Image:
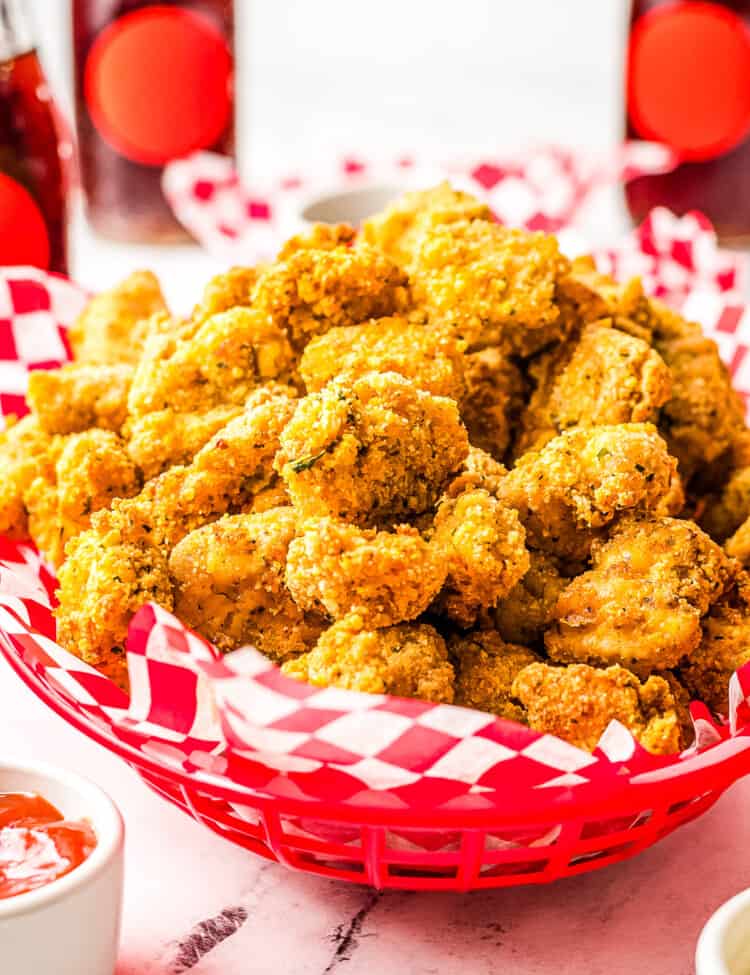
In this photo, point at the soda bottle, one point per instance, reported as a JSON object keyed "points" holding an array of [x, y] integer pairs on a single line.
{"points": [[33, 209], [153, 84], [688, 85]]}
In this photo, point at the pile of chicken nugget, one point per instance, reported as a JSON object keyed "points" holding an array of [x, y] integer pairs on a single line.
{"points": [[433, 458]]}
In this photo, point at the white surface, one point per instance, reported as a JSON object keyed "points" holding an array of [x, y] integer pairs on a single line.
{"points": [[70, 926]]}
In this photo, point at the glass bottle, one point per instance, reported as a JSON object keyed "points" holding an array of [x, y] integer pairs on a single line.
{"points": [[33, 180], [688, 85], [153, 83]]}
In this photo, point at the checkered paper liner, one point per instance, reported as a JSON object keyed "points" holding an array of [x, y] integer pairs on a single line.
{"points": [[237, 722]]}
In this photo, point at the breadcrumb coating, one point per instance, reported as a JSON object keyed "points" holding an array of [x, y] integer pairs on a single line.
{"points": [[577, 703], [478, 470], [83, 473], [383, 577], [726, 509], [226, 291], [432, 357], [320, 237], [486, 667], [23, 451], [603, 376], [724, 647], [111, 328], [591, 296], [496, 285], [482, 544], [641, 603], [80, 396], [409, 660], [371, 451], [229, 585], [313, 291], [495, 396], [219, 363], [524, 614], [396, 231], [583, 479]]}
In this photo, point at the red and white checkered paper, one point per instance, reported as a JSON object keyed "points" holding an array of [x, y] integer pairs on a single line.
{"points": [[237, 721]]}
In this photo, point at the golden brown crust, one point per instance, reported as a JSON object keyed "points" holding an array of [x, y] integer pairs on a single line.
{"points": [[494, 399], [80, 396], [527, 610], [486, 667]]}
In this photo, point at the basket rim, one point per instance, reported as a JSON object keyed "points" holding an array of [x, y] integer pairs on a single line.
{"points": [[629, 799]]}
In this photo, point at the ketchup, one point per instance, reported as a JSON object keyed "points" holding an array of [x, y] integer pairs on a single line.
{"points": [[37, 845]]}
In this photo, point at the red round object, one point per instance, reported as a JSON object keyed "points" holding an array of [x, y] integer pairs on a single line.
{"points": [[23, 233], [689, 78], [158, 84]]}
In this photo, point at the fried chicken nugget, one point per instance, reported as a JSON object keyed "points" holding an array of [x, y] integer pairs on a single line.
{"points": [[432, 357], [218, 363], [320, 237], [602, 377], [83, 474], [163, 439], [478, 470], [409, 660], [641, 603], [496, 285], [23, 452], [591, 296], [226, 291], [705, 414], [583, 479], [726, 509], [371, 450], [724, 647], [315, 290], [577, 703], [80, 396], [486, 667], [494, 400], [525, 613], [481, 542], [111, 328], [397, 229], [229, 585], [381, 576]]}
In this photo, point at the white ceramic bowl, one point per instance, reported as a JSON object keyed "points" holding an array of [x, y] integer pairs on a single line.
{"points": [[724, 944], [72, 925]]}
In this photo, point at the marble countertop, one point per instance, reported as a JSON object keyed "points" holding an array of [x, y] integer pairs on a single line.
{"points": [[195, 903]]}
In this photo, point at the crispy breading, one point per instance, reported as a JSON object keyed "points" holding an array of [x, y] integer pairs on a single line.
{"points": [[110, 329], [496, 391], [738, 544], [527, 610], [80, 396], [23, 451], [486, 667], [315, 290], [704, 414], [432, 357], [163, 439], [384, 577], [373, 450], [218, 363], [582, 480], [577, 703], [641, 603], [481, 542], [724, 510], [397, 229], [602, 376], [497, 286], [478, 470], [225, 291], [320, 237], [724, 647], [409, 660], [229, 585], [84, 473], [591, 296]]}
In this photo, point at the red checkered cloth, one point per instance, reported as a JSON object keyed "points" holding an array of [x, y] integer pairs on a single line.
{"points": [[236, 721]]}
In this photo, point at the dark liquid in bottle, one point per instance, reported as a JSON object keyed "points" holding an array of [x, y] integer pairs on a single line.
{"points": [[694, 55], [124, 194], [30, 150]]}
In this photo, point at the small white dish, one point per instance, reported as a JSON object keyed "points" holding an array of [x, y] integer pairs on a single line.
{"points": [[72, 925], [724, 944], [351, 205]]}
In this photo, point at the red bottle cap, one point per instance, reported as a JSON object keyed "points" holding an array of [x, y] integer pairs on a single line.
{"points": [[689, 78], [158, 84], [23, 232]]}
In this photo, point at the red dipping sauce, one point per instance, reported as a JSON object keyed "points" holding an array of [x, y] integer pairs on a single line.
{"points": [[37, 845]]}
